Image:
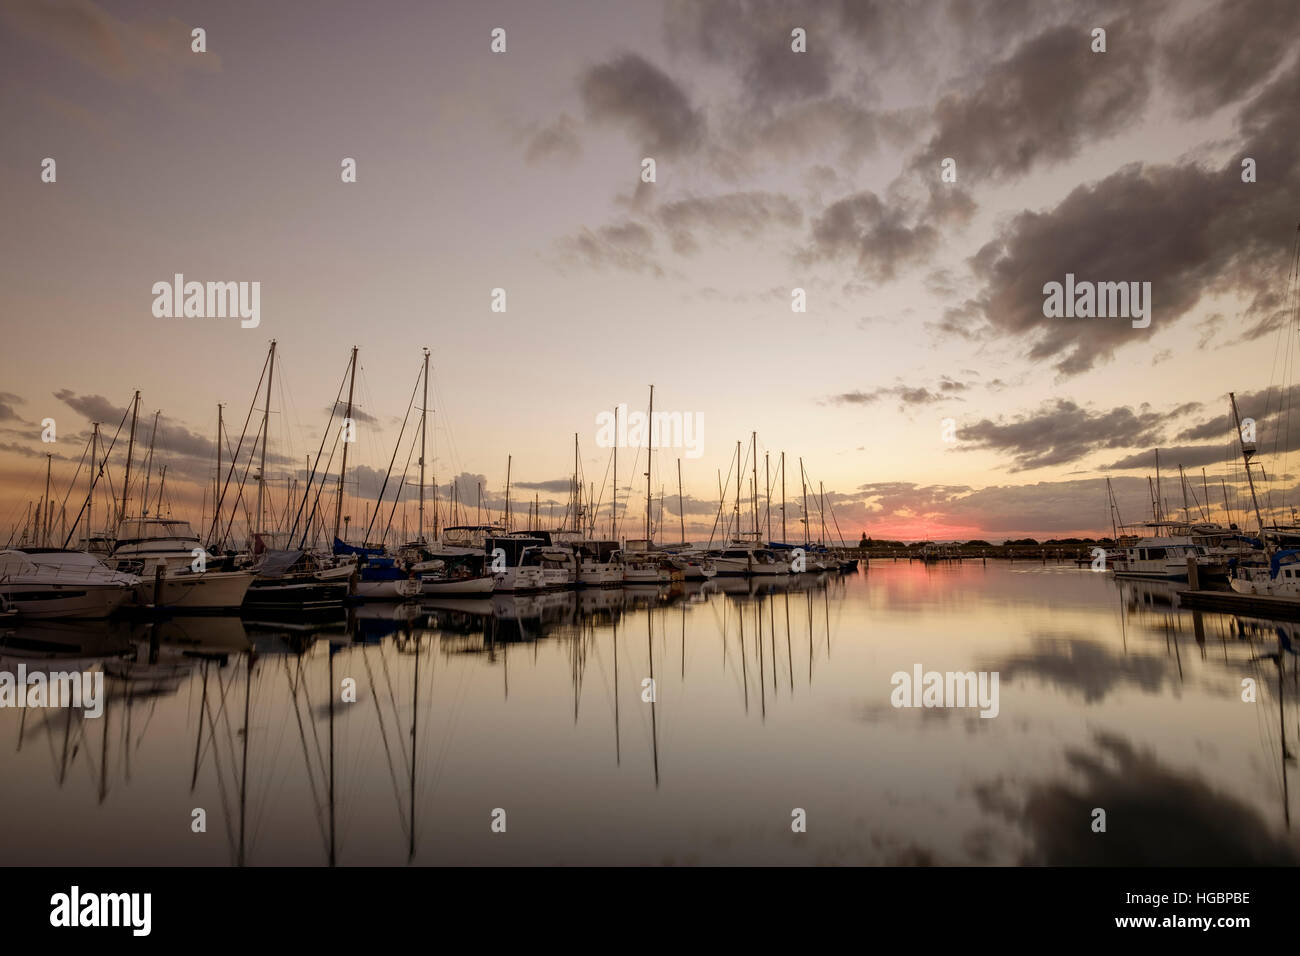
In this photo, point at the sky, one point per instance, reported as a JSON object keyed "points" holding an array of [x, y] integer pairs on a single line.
{"points": [[923, 388]]}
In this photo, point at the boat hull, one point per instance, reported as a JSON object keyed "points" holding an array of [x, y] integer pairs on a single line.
{"points": [[87, 601], [483, 585], [209, 591]]}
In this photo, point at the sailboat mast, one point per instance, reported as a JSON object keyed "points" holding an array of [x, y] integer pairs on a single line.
{"points": [[784, 539], [803, 480], [577, 489], [266, 427], [753, 463], [1182, 480], [424, 412], [216, 485], [1110, 500], [821, 510], [767, 484], [613, 511], [1247, 452], [739, 465], [681, 510], [1159, 502], [130, 451], [343, 468], [148, 468], [649, 458], [90, 495], [509, 461], [45, 532]]}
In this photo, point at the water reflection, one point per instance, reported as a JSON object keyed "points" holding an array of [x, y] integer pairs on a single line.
{"points": [[674, 723]]}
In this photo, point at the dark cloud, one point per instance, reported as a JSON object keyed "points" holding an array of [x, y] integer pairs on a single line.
{"points": [[1061, 432], [1189, 229], [554, 486], [171, 436], [358, 414], [1041, 103], [1222, 52], [635, 93], [835, 126], [878, 236], [628, 246], [745, 214], [946, 389], [7, 402]]}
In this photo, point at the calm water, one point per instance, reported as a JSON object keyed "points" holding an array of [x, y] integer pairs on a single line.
{"points": [[767, 700]]}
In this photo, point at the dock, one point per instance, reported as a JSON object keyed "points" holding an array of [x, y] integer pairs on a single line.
{"points": [[1246, 605]]}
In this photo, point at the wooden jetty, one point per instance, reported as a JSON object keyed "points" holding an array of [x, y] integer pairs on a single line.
{"points": [[1245, 605]]}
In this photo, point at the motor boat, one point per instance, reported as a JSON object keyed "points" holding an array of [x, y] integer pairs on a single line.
{"points": [[53, 582]]}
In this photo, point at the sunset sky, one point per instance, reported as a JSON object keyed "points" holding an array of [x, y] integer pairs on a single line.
{"points": [[775, 170]]}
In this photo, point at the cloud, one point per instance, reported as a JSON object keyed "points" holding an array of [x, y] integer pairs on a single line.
{"points": [[1042, 103], [554, 486], [148, 51], [1061, 432], [878, 236], [358, 414], [742, 213], [7, 402], [557, 141], [636, 94], [627, 246], [1190, 229], [946, 389], [1219, 55]]}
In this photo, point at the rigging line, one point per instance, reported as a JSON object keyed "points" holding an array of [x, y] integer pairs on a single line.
{"points": [[311, 478], [102, 467], [315, 505], [239, 497], [249, 417], [388, 752], [85, 451], [722, 501], [405, 468], [311, 773], [397, 445]]}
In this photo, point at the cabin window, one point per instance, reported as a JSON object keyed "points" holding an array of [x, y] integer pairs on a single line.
{"points": [[1156, 554]]}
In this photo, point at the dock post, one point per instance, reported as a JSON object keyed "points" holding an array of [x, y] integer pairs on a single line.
{"points": [[1193, 574]]}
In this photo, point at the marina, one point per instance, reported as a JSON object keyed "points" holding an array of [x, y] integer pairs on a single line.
{"points": [[771, 693]]}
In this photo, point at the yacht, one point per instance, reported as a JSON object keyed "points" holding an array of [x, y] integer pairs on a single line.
{"points": [[1158, 558], [143, 543], [445, 569], [598, 564], [695, 565], [52, 582], [1279, 578], [208, 590], [515, 575], [746, 558]]}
